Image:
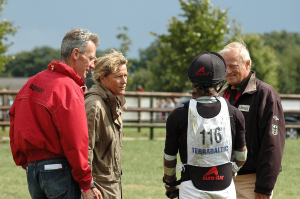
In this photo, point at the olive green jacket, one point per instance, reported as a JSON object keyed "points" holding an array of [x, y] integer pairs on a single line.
{"points": [[104, 115]]}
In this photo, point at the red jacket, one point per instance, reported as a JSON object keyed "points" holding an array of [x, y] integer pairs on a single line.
{"points": [[48, 120]]}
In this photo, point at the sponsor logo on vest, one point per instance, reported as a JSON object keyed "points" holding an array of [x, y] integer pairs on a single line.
{"points": [[244, 108], [210, 173], [210, 151]]}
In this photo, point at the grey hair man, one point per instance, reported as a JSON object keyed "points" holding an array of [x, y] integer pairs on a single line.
{"points": [[264, 120], [49, 134]]}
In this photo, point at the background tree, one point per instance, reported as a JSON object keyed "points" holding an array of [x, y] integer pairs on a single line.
{"points": [[264, 60], [203, 28], [289, 71], [6, 29], [286, 46], [29, 63], [138, 73], [126, 40]]}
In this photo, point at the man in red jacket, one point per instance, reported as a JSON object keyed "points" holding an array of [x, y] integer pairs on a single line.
{"points": [[48, 133]]}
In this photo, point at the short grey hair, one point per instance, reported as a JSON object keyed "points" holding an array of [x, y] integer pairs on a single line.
{"points": [[76, 38], [240, 48]]}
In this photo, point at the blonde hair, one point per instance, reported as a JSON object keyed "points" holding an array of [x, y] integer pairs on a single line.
{"points": [[240, 48], [108, 64]]}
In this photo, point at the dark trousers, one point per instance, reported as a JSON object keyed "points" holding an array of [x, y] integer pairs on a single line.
{"points": [[52, 178]]}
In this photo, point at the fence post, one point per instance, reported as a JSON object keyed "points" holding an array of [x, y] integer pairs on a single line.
{"points": [[4, 112], [139, 113], [151, 118]]}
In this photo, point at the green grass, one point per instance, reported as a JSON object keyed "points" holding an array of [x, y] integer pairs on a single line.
{"points": [[142, 165], [288, 181], [4, 133], [13, 182], [144, 133], [142, 162]]}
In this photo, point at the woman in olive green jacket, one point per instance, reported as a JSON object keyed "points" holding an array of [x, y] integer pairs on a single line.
{"points": [[105, 105]]}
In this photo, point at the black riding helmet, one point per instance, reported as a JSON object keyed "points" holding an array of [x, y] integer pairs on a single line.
{"points": [[207, 69]]}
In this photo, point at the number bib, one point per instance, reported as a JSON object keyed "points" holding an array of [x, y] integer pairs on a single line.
{"points": [[209, 141]]}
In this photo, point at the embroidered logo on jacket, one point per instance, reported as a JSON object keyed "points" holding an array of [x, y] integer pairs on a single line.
{"points": [[274, 129], [35, 88], [211, 172]]}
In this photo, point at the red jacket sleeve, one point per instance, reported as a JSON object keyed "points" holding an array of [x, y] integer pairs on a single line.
{"points": [[19, 157], [70, 120]]}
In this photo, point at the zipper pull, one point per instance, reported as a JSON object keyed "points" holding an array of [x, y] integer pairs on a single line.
{"points": [[52, 66]]}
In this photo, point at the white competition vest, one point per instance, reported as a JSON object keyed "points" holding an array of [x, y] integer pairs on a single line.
{"points": [[209, 141]]}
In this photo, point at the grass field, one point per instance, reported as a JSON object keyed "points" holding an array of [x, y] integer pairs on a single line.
{"points": [[143, 170]]}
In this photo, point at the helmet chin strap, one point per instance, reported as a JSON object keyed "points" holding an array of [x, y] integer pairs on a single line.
{"points": [[220, 87]]}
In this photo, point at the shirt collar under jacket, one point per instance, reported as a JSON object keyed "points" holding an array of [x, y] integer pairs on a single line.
{"points": [[250, 86], [240, 87]]}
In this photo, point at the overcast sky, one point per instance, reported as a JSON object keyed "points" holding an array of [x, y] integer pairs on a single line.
{"points": [[45, 22]]}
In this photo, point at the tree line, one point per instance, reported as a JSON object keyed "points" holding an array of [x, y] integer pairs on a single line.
{"points": [[163, 65]]}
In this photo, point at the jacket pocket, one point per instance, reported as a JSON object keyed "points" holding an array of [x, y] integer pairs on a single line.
{"points": [[106, 150], [104, 173]]}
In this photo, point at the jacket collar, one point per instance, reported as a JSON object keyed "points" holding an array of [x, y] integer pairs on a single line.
{"points": [[248, 85], [251, 85], [62, 68], [115, 103]]}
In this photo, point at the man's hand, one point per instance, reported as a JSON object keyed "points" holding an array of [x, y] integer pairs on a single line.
{"points": [[91, 194], [88, 194], [97, 193], [261, 196]]}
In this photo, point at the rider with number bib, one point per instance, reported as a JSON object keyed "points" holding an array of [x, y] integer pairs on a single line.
{"points": [[209, 134]]}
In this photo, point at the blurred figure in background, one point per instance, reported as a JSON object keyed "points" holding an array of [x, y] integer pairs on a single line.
{"points": [[140, 88], [170, 103]]}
